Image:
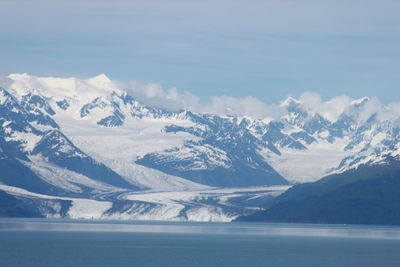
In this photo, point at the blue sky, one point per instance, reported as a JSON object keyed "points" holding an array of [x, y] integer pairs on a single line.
{"points": [[266, 49]]}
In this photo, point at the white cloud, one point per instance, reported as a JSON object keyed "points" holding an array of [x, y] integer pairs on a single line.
{"points": [[371, 107], [334, 107], [171, 99], [330, 109], [155, 95], [391, 112], [247, 106], [5, 82]]}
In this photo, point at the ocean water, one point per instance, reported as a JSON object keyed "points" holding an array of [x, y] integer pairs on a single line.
{"points": [[37, 242]]}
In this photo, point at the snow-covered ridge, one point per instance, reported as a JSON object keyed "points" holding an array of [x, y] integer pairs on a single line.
{"points": [[99, 109], [90, 139], [83, 90]]}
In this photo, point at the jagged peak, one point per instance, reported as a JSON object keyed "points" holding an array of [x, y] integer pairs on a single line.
{"points": [[5, 96], [290, 101], [100, 80], [360, 101], [53, 133]]}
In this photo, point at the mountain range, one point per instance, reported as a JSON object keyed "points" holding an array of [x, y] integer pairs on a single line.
{"points": [[87, 148]]}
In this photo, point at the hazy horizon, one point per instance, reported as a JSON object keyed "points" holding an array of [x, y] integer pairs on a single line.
{"points": [[266, 49]]}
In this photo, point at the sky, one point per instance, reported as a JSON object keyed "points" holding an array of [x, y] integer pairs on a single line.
{"points": [[266, 50]]}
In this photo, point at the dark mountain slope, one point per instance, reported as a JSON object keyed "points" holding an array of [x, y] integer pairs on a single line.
{"points": [[15, 206], [367, 195]]}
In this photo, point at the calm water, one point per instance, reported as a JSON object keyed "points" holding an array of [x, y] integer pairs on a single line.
{"points": [[26, 242]]}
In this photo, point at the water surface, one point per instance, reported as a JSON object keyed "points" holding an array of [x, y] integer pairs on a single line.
{"points": [[37, 242]]}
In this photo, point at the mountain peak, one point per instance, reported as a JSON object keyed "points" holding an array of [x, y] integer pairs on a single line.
{"points": [[83, 90], [290, 101], [360, 101], [16, 76], [100, 80]]}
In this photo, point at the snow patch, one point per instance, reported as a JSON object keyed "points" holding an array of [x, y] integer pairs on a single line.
{"points": [[88, 209]]}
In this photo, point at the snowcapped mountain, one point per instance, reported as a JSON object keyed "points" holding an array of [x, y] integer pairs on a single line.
{"points": [[112, 126], [90, 139]]}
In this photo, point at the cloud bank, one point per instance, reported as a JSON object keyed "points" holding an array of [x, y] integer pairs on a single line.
{"points": [[154, 94], [172, 99]]}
